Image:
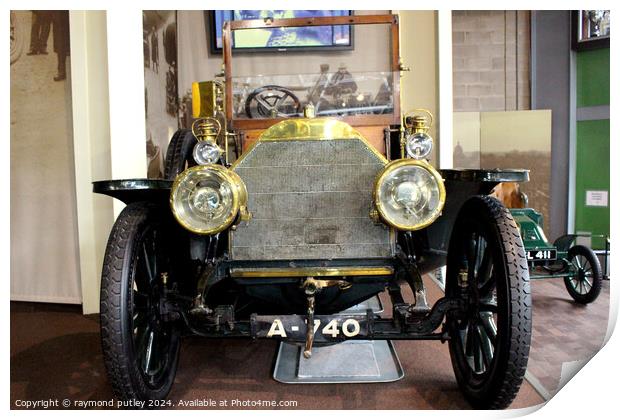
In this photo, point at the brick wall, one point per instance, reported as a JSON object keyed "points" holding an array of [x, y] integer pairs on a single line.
{"points": [[491, 60]]}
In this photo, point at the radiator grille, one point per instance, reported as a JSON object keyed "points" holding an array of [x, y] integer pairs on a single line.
{"points": [[310, 199]]}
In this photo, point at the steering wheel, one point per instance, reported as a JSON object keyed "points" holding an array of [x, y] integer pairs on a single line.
{"points": [[272, 101]]}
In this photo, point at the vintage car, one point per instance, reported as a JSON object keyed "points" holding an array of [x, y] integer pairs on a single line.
{"points": [[270, 223], [564, 258]]}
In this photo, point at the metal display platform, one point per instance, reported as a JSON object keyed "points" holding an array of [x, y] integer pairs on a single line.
{"points": [[354, 361]]}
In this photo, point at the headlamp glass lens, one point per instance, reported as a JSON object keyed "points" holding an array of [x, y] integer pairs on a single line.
{"points": [[418, 145], [205, 200], [206, 152]]}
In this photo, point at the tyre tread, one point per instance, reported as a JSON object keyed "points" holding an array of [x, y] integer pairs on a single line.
{"points": [[508, 383], [120, 368], [597, 279], [115, 358], [179, 152], [520, 303]]}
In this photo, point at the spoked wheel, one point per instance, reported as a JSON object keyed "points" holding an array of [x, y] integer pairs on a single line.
{"points": [[585, 280], [272, 101], [140, 346], [179, 155], [490, 339]]}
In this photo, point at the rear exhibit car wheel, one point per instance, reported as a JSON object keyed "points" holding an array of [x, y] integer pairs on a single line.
{"points": [[140, 347], [585, 282], [179, 154], [490, 339]]}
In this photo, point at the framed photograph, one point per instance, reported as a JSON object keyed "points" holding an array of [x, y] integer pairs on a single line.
{"points": [[590, 29], [279, 39]]}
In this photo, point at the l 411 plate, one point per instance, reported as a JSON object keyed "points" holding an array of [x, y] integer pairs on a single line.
{"points": [[541, 254]]}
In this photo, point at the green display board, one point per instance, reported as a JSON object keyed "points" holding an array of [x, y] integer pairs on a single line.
{"points": [[592, 179], [593, 77], [592, 148]]}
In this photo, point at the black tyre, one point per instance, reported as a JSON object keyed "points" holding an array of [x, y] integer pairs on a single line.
{"points": [[140, 347], [586, 279], [179, 154], [490, 340]]}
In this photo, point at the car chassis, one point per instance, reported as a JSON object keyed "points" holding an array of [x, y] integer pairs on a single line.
{"points": [[161, 280]]}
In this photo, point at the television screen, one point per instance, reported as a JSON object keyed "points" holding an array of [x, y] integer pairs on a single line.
{"points": [[309, 37]]}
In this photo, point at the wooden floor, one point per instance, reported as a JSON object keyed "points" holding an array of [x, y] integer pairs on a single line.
{"points": [[563, 331], [55, 353]]}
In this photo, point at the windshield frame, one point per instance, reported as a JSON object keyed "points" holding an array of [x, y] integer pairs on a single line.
{"points": [[354, 120]]}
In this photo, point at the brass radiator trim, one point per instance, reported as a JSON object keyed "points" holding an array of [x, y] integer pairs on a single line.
{"points": [[311, 272]]}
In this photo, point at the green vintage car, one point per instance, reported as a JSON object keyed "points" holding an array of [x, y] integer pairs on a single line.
{"points": [[577, 264]]}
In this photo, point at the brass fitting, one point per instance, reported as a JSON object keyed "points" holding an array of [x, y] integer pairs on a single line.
{"points": [[309, 111], [311, 287], [418, 120], [314, 284], [207, 98], [206, 129]]}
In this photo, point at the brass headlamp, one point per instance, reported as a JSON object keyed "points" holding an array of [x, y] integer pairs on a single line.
{"points": [[408, 194], [208, 199], [416, 142], [206, 131], [209, 128]]}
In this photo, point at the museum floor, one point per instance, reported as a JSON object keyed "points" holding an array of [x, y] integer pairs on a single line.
{"points": [[55, 353]]}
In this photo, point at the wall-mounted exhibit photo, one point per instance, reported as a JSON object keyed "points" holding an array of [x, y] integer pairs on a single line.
{"points": [[41, 150], [160, 85]]}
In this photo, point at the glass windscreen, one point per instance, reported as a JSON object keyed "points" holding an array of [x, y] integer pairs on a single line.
{"points": [[332, 92], [356, 80]]}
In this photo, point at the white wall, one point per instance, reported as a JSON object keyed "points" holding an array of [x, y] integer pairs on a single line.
{"points": [[125, 58], [418, 51], [93, 162]]}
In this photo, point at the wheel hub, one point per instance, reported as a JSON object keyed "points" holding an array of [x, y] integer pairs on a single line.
{"points": [[473, 303], [154, 305], [581, 274]]}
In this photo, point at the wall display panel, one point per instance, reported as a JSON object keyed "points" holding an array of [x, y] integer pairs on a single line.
{"points": [[520, 139], [591, 29], [511, 139], [592, 165], [161, 94], [593, 77], [592, 180], [280, 39], [466, 153], [44, 250]]}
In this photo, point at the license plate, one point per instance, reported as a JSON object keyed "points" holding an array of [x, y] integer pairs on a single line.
{"points": [[541, 254], [293, 327]]}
